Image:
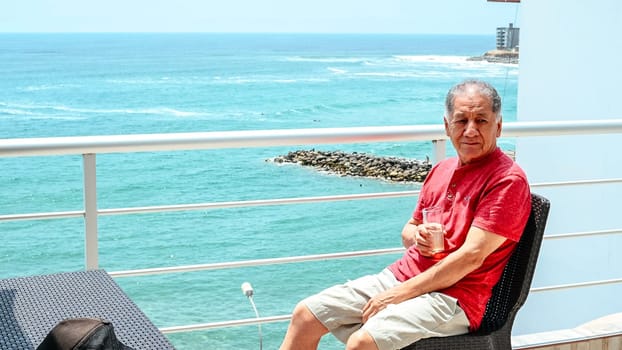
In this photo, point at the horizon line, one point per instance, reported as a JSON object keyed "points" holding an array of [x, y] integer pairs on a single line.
{"points": [[241, 32]]}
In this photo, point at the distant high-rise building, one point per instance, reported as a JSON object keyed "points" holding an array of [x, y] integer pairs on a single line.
{"points": [[507, 37]]}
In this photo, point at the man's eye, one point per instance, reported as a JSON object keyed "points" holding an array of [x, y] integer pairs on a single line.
{"points": [[482, 121], [460, 121]]}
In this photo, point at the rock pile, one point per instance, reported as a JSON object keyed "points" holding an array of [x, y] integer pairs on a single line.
{"points": [[360, 164], [497, 56]]}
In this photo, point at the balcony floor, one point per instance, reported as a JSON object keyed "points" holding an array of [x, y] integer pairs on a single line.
{"points": [[604, 333]]}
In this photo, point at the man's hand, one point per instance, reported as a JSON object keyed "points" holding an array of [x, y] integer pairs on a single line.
{"points": [[423, 241], [382, 300], [415, 233]]}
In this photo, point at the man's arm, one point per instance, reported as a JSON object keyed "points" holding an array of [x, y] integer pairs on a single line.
{"points": [[478, 245], [409, 232], [414, 233]]}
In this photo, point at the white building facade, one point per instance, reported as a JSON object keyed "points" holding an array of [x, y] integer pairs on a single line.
{"points": [[570, 57]]}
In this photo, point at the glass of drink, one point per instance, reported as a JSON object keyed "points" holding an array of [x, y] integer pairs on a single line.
{"points": [[432, 220]]}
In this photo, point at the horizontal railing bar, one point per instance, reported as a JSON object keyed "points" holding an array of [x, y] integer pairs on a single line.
{"points": [[275, 261], [576, 182], [583, 234], [256, 262], [263, 202], [224, 324], [282, 137], [259, 202], [299, 200], [576, 285], [560, 128], [283, 318], [215, 140], [242, 322], [42, 216]]}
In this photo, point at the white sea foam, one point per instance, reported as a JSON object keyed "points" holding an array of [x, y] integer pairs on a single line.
{"points": [[20, 108], [407, 74], [43, 87], [432, 58], [169, 111], [56, 117], [33, 114], [218, 80], [266, 80], [31, 88], [151, 81], [389, 74], [161, 111], [285, 81], [14, 111], [337, 70], [326, 59], [47, 111], [460, 63], [425, 66]]}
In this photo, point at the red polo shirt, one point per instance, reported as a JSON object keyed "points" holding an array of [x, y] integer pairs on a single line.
{"points": [[492, 194]]}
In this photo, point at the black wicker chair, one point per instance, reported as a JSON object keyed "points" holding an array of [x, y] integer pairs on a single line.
{"points": [[508, 295]]}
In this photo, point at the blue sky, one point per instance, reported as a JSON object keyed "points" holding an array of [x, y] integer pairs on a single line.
{"points": [[314, 16]]}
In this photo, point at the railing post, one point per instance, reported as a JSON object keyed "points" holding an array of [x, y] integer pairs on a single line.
{"points": [[439, 150], [91, 250]]}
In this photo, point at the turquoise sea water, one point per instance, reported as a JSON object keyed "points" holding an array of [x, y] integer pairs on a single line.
{"points": [[104, 84]]}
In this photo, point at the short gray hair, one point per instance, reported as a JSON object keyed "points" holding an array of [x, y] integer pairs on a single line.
{"points": [[482, 87]]}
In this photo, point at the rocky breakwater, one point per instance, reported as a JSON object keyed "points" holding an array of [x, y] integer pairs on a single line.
{"points": [[360, 164], [497, 56]]}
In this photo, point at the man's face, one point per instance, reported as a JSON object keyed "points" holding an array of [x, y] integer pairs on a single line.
{"points": [[472, 126]]}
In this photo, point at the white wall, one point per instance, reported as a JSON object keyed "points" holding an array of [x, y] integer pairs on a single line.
{"points": [[570, 69]]}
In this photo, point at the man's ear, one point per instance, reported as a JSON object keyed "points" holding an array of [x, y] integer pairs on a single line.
{"points": [[499, 126], [446, 125]]}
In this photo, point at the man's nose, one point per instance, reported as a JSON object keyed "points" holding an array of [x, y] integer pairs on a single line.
{"points": [[471, 128]]}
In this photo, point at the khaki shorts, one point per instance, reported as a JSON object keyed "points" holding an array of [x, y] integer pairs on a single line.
{"points": [[429, 315]]}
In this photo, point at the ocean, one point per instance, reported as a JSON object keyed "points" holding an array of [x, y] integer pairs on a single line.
{"points": [[109, 84]]}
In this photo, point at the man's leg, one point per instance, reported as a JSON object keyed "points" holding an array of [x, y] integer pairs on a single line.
{"points": [[339, 308], [304, 331], [429, 315]]}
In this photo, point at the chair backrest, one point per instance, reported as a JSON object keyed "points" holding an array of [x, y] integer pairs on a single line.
{"points": [[510, 293]]}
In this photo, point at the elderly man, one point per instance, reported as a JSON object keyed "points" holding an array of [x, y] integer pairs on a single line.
{"points": [[485, 201]]}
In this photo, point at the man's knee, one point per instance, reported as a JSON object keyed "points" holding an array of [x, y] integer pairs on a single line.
{"points": [[302, 316], [302, 313], [304, 331], [361, 340]]}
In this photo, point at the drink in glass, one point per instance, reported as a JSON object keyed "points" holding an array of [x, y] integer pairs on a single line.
{"points": [[432, 220]]}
